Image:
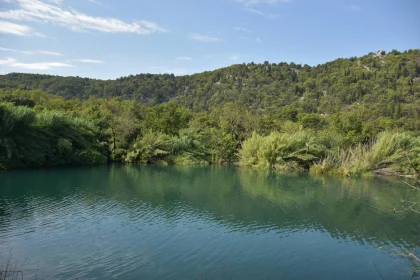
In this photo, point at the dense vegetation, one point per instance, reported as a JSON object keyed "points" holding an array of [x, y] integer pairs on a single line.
{"points": [[350, 116]]}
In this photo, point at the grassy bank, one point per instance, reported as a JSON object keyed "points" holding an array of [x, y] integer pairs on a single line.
{"points": [[388, 153], [42, 130]]}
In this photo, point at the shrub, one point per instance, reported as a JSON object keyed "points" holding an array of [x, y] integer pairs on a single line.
{"points": [[90, 157], [152, 147], [248, 155], [282, 151]]}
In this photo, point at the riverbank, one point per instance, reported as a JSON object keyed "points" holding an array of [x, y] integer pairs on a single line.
{"points": [[41, 130], [390, 154]]}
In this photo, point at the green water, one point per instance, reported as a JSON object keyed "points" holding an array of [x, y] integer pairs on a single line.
{"points": [[155, 222]]}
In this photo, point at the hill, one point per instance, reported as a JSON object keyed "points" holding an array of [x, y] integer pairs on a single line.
{"points": [[349, 116], [373, 79]]}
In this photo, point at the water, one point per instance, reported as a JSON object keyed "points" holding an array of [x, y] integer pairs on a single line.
{"points": [[157, 222]]}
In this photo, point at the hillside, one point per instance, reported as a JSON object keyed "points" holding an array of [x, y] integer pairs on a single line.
{"points": [[350, 116], [375, 79]]}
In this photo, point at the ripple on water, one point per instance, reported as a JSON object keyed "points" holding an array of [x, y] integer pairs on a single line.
{"points": [[208, 225]]}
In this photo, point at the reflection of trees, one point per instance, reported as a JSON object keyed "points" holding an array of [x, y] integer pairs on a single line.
{"points": [[240, 198], [356, 208], [412, 205]]}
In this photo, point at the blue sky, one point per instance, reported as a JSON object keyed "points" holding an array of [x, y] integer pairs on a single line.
{"points": [[108, 39]]}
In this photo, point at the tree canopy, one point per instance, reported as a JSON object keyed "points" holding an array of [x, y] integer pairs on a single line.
{"points": [[268, 115]]}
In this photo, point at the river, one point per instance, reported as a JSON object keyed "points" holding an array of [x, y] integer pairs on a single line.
{"points": [[203, 222]]}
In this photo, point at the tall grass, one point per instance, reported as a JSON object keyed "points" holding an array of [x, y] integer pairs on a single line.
{"points": [[281, 151], [249, 153], [156, 147], [150, 148], [32, 139], [387, 154]]}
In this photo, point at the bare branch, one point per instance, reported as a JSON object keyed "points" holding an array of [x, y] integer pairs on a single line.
{"points": [[416, 188], [411, 254]]}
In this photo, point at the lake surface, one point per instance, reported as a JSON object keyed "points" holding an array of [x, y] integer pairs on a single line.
{"points": [[208, 222]]}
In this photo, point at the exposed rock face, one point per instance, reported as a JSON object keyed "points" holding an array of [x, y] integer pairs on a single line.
{"points": [[381, 53]]}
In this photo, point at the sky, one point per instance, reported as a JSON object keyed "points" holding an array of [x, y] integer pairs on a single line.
{"points": [[107, 39]]}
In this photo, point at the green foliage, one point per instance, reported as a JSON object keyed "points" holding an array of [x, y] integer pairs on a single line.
{"points": [[47, 138], [388, 154], [156, 147], [332, 118], [377, 156], [281, 151], [250, 148], [223, 147], [167, 118], [18, 100], [388, 84], [152, 147], [64, 147], [188, 148], [90, 157], [313, 121], [410, 153]]}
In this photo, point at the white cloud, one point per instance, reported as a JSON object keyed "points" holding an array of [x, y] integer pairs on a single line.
{"points": [[261, 13], [37, 10], [255, 11], [183, 58], [241, 29], [15, 51], [234, 57], [87, 60], [251, 6], [48, 53], [259, 41], [11, 62], [180, 58], [7, 61], [204, 38], [355, 8], [30, 52], [17, 29]]}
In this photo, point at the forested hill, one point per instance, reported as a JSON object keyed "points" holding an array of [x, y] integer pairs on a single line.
{"points": [[388, 82], [350, 116]]}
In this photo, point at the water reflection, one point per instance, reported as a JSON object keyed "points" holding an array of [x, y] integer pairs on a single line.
{"points": [[139, 220]]}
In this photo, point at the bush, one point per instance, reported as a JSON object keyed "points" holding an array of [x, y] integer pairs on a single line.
{"points": [[90, 157], [387, 154], [282, 151], [152, 147], [248, 155], [46, 138]]}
